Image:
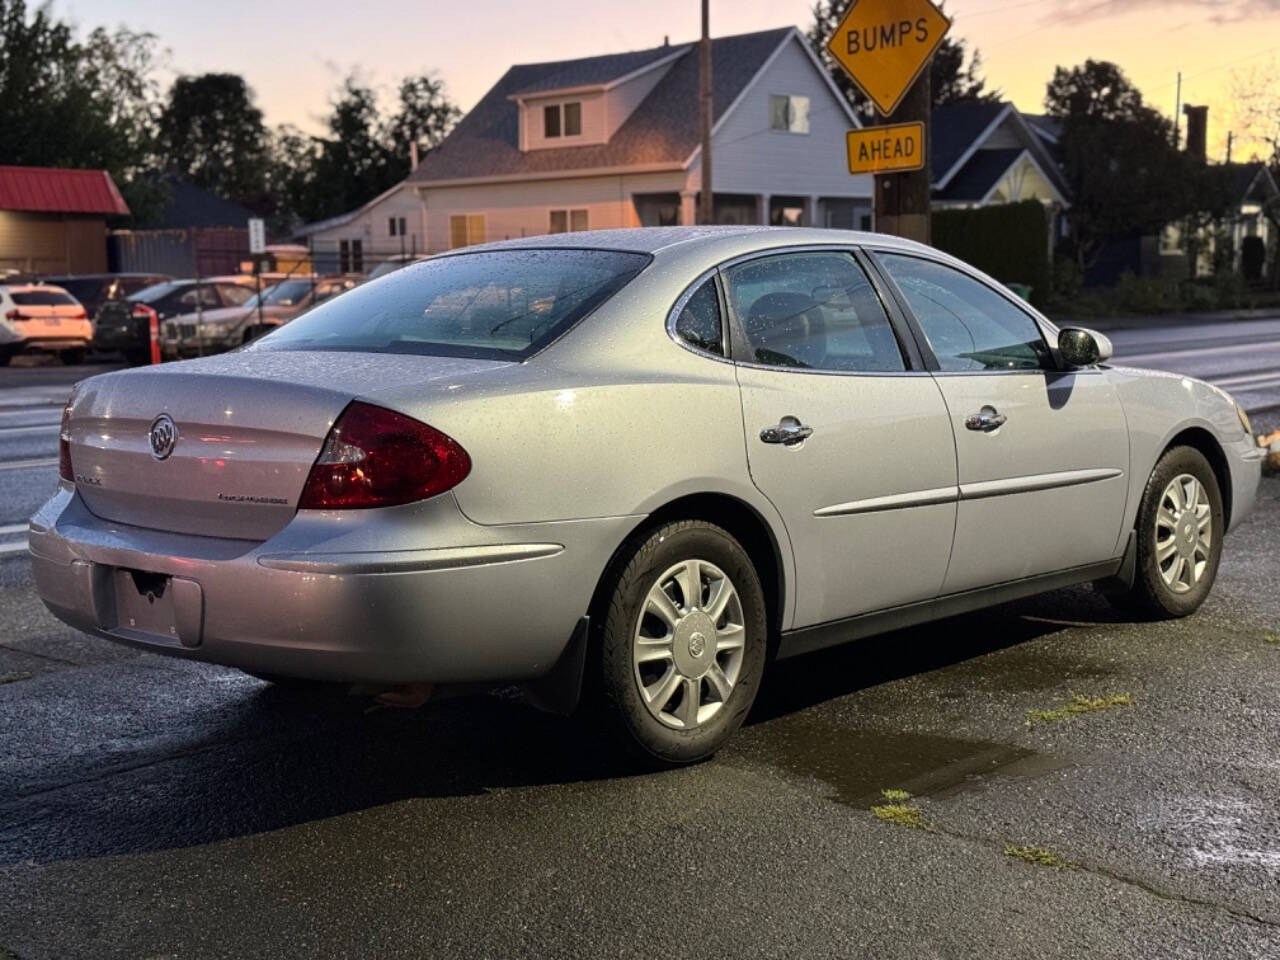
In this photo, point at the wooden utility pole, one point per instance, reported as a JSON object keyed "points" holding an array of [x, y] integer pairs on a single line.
{"points": [[706, 204], [902, 199]]}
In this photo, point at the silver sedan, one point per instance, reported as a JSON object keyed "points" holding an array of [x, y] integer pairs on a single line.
{"points": [[628, 468]]}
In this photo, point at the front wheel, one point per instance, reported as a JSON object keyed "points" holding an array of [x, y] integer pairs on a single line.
{"points": [[1180, 528], [682, 646]]}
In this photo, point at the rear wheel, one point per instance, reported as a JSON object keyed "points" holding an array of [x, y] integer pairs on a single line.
{"points": [[1180, 528], [682, 645]]}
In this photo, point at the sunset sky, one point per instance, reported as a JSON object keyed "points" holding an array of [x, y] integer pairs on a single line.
{"points": [[294, 52]]}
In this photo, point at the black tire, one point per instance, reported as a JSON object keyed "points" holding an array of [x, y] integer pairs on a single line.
{"points": [[137, 358], [5, 357], [1150, 595], [614, 679], [73, 357]]}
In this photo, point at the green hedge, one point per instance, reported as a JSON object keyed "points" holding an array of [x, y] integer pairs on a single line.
{"points": [[1009, 241]]}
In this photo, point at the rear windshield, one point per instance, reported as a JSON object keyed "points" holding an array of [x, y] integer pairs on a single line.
{"points": [[499, 304], [41, 298]]}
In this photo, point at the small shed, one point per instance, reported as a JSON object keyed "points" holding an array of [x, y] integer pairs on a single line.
{"points": [[197, 233], [54, 220]]}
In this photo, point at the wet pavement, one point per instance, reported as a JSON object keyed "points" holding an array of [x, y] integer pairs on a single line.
{"points": [[162, 809]]}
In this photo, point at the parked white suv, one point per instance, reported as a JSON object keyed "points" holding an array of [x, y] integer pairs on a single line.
{"points": [[42, 317]]}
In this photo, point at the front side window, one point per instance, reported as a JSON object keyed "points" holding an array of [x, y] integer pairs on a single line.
{"points": [[969, 326], [499, 305], [789, 114], [815, 311], [699, 323]]}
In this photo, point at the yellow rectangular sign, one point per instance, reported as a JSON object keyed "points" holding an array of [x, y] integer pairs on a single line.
{"points": [[888, 149]]}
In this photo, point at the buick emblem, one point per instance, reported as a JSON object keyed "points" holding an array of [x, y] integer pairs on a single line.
{"points": [[697, 644], [163, 435]]}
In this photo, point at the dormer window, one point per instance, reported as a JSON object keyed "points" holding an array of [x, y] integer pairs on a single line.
{"points": [[562, 120]]}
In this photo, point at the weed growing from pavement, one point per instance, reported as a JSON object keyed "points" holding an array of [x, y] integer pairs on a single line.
{"points": [[899, 811], [1272, 639], [1079, 704], [1041, 856]]}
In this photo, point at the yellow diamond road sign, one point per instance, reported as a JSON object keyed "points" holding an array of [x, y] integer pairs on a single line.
{"points": [[884, 44]]}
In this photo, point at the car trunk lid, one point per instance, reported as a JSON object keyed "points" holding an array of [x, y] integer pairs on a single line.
{"points": [[247, 428]]}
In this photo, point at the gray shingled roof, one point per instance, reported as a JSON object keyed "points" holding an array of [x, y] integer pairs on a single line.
{"points": [[980, 174], [664, 128], [953, 129]]}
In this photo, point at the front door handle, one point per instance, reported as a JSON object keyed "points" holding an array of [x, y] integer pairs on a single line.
{"points": [[986, 420], [788, 432]]}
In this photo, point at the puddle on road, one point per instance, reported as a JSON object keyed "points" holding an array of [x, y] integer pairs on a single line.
{"points": [[858, 764]]}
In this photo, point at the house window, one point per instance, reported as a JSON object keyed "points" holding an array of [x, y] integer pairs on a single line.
{"points": [[466, 229], [396, 226], [789, 114], [351, 256], [566, 221], [391, 226], [562, 119]]}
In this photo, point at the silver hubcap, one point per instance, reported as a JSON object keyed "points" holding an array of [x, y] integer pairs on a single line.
{"points": [[689, 643], [1184, 533]]}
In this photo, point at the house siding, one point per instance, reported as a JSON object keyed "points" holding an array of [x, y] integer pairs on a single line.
{"points": [[751, 158], [522, 208], [52, 242], [370, 228]]}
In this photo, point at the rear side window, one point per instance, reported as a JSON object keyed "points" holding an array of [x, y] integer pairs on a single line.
{"points": [[699, 323], [815, 311], [969, 326], [42, 298], [498, 304]]}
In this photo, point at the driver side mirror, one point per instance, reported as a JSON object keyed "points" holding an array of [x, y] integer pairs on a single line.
{"points": [[1082, 348]]}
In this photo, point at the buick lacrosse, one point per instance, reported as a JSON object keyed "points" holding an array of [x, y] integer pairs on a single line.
{"points": [[627, 469]]}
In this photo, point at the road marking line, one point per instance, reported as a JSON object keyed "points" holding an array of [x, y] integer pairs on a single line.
{"points": [[13, 528], [1136, 358], [1258, 378], [51, 427], [13, 548], [29, 464]]}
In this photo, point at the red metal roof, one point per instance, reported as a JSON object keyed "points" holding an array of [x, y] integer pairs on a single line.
{"points": [[58, 190]]}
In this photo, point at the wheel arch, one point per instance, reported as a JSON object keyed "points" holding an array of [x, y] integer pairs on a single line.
{"points": [[743, 521], [1203, 440]]}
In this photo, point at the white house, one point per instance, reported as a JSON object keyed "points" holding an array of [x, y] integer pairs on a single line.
{"points": [[390, 225], [612, 141]]}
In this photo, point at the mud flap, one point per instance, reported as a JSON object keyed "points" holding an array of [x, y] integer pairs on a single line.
{"points": [[1122, 580], [561, 689]]}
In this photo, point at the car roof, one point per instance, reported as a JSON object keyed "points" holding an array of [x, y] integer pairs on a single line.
{"points": [[31, 287], [656, 239]]}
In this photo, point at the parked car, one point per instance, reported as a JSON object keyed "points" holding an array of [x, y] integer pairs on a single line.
{"points": [[39, 317], [125, 325], [95, 289], [633, 465], [216, 331]]}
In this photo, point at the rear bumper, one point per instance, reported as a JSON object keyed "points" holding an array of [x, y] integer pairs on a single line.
{"points": [[325, 599]]}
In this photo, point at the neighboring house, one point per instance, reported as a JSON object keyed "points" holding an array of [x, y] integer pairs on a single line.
{"points": [[983, 153], [53, 220], [612, 141], [392, 224], [197, 233]]}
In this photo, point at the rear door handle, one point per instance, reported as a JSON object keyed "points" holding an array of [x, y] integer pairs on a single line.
{"points": [[986, 420], [788, 432]]}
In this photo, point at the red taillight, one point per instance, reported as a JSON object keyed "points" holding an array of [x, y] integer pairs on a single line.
{"points": [[142, 311], [64, 446], [80, 315], [378, 458], [13, 315]]}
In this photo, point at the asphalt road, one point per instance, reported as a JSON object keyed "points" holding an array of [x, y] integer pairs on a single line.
{"points": [[156, 808]]}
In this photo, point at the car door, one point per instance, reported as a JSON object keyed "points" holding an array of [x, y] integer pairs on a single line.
{"points": [[846, 433], [1041, 451]]}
